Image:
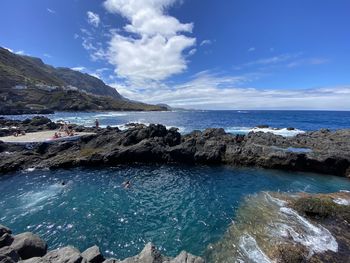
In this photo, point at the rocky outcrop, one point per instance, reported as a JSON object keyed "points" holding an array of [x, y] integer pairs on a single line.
{"points": [[287, 228], [93, 255], [29, 248], [28, 245], [321, 151]]}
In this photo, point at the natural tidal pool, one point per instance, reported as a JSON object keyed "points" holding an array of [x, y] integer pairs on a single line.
{"points": [[175, 207]]}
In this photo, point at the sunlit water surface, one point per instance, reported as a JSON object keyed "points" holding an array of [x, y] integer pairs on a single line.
{"points": [[240, 121], [175, 207]]}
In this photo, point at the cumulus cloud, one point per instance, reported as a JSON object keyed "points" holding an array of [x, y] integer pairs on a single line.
{"points": [[213, 91], [93, 18], [155, 44]]}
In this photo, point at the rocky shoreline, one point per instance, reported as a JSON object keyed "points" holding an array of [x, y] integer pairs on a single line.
{"points": [[322, 151], [30, 248], [287, 228]]}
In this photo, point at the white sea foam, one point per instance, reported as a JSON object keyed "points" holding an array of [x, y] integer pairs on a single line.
{"points": [[283, 132], [251, 249], [341, 201], [32, 199], [317, 238], [110, 114]]}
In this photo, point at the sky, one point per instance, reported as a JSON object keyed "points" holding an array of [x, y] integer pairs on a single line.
{"points": [[198, 54]]}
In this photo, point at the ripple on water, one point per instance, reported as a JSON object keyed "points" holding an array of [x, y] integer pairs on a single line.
{"points": [[176, 207]]}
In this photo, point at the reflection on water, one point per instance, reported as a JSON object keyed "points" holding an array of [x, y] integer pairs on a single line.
{"points": [[176, 207]]}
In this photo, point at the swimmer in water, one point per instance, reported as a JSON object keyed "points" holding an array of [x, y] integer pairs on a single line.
{"points": [[63, 183], [127, 184]]}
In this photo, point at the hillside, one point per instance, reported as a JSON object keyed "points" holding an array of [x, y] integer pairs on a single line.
{"points": [[27, 85]]}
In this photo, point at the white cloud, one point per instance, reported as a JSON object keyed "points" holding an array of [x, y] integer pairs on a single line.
{"points": [[20, 52], [192, 52], [252, 49], [93, 18], [211, 91], [274, 60], [51, 11], [157, 52], [9, 49], [205, 42], [81, 69], [307, 61]]}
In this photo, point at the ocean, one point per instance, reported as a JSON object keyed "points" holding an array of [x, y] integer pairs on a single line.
{"points": [[232, 121]]}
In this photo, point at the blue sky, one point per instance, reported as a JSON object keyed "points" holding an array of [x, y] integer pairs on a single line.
{"points": [[227, 54]]}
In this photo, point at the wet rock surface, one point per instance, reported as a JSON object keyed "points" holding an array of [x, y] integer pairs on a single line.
{"points": [[321, 151], [29, 248], [276, 227]]}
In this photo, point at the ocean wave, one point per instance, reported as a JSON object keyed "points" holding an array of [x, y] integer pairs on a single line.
{"points": [[283, 131], [110, 114], [251, 250], [317, 238]]}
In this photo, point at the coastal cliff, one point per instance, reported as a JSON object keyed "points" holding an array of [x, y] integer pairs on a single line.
{"points": [[321, 151], [29, 86]]}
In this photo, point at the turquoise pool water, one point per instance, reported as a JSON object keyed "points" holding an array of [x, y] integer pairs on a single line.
{"points": [[175, 207]]}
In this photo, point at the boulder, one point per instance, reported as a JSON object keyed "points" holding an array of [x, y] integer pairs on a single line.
{"points": [[6, 259], [9, 252], [148, 255], [39, 120], [4, 230], [67, 254], [112, 260], [6, 240], [93, 255], [185, 257], [34, 260], [29, 245]]}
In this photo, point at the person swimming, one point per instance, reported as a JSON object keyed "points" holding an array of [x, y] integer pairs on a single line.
{"points": [[127, 184]]}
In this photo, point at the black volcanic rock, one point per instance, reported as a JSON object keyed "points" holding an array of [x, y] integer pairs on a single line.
{"points": [[320, 151]]}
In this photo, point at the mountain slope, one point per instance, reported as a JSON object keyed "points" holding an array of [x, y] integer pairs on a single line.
{"points": [[28, 85], [17, 69]]}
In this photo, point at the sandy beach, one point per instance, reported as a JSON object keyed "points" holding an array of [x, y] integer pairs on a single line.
{"points": [[42, 136]]}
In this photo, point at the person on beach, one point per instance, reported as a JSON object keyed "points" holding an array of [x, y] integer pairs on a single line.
{"points": [[55, 136], [65, 128], [97, 124]]}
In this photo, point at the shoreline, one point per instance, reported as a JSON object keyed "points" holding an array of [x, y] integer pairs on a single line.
{"points": [[269, 227], [323, 151]]}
